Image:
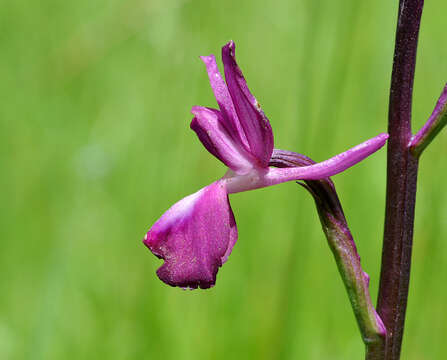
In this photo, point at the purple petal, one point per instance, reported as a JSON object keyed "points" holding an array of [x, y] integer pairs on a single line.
{"points": [[194, 237], [229, 117], [258, 178], [437, 120], [255, 124], [207, 124]]}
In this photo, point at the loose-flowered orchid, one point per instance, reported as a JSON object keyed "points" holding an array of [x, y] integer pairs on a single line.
{"points": [[197, 234]]}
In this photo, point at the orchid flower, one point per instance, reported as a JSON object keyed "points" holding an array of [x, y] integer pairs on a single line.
{"points": [[197, 234]]}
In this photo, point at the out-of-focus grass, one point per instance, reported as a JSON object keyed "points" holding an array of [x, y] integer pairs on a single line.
{"points": [[95, 145]]}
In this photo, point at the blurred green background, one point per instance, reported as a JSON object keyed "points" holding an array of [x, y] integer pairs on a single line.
{"points": [[95, 145]]}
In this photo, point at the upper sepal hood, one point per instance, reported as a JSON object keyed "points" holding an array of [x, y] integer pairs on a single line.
{"points": [[240, 118], [255, 124], [194, 237], [209, 125]]}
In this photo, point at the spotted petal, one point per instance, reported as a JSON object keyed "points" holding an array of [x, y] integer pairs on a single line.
{"points": [[194, 237]]}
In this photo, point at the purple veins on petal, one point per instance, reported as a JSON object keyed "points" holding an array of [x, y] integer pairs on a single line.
{"points": [[194, 237], [254, 123]]}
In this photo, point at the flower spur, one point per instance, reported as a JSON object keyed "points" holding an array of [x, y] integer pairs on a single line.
{"points": [[197, 234]]}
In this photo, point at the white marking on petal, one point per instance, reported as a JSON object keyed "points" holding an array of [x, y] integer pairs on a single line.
{"points": [[179, 210]]}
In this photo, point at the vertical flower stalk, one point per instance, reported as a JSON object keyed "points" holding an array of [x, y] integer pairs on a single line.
{"points": [[402, 167]]}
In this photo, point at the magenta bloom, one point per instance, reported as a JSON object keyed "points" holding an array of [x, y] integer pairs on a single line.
{"points": [[196, 235]]}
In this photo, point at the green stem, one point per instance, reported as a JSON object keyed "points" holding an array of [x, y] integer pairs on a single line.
{"points": [[340, 241]]}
